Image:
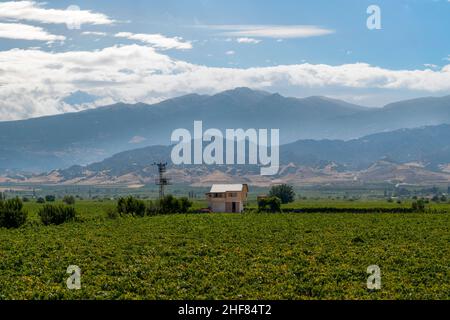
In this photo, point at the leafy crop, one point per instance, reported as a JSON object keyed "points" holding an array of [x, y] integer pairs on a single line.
{"points": [[232, 256]]}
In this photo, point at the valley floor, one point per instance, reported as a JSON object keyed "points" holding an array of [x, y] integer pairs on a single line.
{"points": [[225, 256]]}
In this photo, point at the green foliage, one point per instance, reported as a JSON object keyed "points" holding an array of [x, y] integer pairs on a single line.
{"points": [[227, 256], [40, 200], [185, 204], [50, 198], [418, 206], [112, 213], [69, 200], [271, 204], [169, 204], [56, 214], [12, 214], [131, 206], [283, 192]]}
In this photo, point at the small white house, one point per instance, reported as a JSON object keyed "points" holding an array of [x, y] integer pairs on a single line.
{"points": [[227, 197]]}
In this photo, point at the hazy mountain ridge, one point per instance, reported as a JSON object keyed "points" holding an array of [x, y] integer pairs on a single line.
{"points": [[80, 138], [414, 156]]}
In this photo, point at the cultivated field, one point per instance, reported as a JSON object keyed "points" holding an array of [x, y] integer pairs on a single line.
{"points": [[230, 256]]}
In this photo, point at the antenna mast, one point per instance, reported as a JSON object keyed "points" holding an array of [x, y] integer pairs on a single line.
{"points": [[161, 180]]}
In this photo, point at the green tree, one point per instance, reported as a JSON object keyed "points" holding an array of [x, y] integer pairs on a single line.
{"points": [[169, 204], [185, 204], [271, 204], [56, 214], [40, 200], [50, 198], [12, 214], [283, 192], [69, 200], [131, 205], [418, 206]]}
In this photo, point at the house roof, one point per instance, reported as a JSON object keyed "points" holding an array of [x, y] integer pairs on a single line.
{"points": [[219, 188]]}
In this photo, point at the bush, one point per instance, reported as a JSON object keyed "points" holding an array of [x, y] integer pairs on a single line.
{"points": [[69, 200], [185, 205], [170, 204], [131, 205], [152, 209], [40, 200], [283, 192], [271, 204], [50, 198], [112, 213], [25, 199], [56, 214], [418, 206], [12, 214]]}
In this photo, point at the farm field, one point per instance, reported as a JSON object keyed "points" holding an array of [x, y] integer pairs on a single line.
{"points": [[228, 256]]}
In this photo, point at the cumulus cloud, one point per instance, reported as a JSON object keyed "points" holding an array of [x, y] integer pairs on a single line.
{"points": [[271, 31], [157, 40], [35, 82], [248, 40], [94, 33], [21, 31], [35, 11]]}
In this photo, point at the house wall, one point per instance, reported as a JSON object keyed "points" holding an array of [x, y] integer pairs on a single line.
{"points": [[217, 206], [224, 202]]}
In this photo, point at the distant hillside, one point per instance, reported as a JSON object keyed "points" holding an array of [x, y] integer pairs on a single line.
{"points": [[416, 156], [85, 137]]}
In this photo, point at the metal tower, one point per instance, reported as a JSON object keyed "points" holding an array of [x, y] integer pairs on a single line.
{"points": [[161, 180]]}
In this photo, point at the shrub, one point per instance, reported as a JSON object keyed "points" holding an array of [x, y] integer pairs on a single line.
{"points": [[112, 213], [56, 214], [50, 198], [283, 192], [169, 204], [40, 200], [271, 204], [152, 209], [25, 199], [131, 205], [12, 214], [69, 200], [185, 205], [418, 206]]}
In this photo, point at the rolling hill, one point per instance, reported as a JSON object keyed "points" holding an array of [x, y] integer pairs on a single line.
{"points": [[47, 143], [413, 156]]}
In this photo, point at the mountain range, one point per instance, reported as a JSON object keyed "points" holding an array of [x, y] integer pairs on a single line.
{"points": [[418, 156], [60, 141]]}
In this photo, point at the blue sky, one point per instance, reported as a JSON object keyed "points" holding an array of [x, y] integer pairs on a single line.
{"points": [[298, 48]]}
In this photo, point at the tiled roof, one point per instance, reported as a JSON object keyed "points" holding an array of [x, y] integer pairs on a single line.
{"points": [[219, 188]]}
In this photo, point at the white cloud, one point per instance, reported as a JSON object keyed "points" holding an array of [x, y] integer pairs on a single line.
{"points": [[430, 65], [34, 11], [248, 40], [94, 33], [271, 31], [26, 32], [157, 40], [230, 53], [137, 140], [35, 82]]}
